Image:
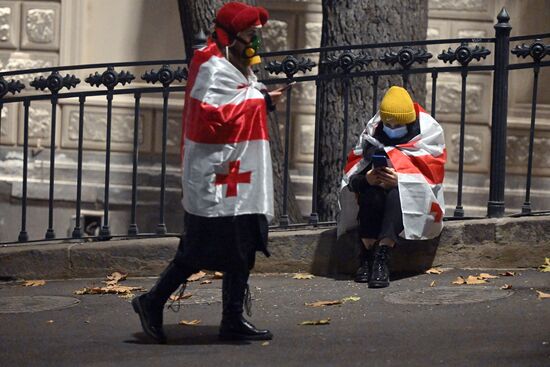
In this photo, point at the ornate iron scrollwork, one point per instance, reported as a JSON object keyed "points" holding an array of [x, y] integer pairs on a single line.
{"points": [[290, 66], [110, 78], [464, 54], [13, 86], [165, 75], [55, 82], [347, 61], [406, 57], [537, 50]]}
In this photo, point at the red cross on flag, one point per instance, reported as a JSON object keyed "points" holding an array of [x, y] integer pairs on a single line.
{"points": [[226, 158]]}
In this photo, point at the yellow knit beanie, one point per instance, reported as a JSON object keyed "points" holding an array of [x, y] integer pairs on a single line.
{"points": [[397, 107]]}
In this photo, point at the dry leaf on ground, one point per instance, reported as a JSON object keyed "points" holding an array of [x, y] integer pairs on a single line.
{"points": [[34, 283], [265, 344], [49, 322], [114, 278], [543, 295], [178, 297], [316, 322], [196, 276], [506, 286], [189, 323], [207, 281], [350, 299], [116, 289], [545, 268], [434, 271], [486, 276], [459, 281], [508, 274], [324, 303], [432, 284], [472, 279], [303, 276], [217, 275]]}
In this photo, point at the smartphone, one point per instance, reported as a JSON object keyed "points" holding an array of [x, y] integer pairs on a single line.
{"points": [[287, 86], [379, 161]]}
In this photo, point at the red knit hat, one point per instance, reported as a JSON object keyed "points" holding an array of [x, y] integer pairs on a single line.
{"points": [[235, 17]]}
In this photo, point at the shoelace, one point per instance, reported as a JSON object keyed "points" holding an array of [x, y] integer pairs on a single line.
{"points": [[177, 300]]}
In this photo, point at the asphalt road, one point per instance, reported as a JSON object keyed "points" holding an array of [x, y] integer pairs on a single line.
{"points": [[407, 324]]}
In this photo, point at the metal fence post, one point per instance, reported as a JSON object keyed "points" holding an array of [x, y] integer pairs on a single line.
{"points": [[495, 205]]}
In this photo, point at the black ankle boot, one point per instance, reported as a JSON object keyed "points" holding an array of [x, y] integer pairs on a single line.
{"points": [[380, 277], [234, 326], [150, 306], [363, 272]]}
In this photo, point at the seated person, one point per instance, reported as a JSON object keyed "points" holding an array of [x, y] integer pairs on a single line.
{"points": [[396, 173]]}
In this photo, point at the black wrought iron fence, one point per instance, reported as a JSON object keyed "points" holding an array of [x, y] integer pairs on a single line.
{"points": [[345, 63]]}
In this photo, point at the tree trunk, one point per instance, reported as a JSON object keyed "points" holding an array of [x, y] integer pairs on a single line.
{"points": [[197, 15], [351, 22]]}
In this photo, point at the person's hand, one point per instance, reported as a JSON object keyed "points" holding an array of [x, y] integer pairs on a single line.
{"points": [[276, 95], [387, 177], [372, 177]]}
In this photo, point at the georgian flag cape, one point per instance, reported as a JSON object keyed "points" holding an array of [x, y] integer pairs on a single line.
{"points": [[226, 159], [420, 170]]}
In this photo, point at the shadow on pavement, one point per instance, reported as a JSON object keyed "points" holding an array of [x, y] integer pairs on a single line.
{"points": [[187, 335]]}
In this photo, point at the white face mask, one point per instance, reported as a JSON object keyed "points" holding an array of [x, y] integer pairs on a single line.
{"points": [[396, 133]]}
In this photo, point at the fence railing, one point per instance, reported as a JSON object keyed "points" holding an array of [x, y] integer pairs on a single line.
{"points": [[344, 64]]}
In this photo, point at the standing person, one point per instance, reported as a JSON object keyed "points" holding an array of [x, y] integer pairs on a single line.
{"points": [[227, 173], [396, 173]]}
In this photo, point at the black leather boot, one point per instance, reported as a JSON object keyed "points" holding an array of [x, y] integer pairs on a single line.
{"points": [[150, 306], [234, 326], [380, 277], [363, 272]]}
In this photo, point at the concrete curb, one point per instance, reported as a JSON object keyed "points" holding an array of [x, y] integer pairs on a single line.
{"points": [[484, 243]]}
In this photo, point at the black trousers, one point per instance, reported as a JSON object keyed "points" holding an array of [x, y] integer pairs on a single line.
{"points": [[380, 213]]}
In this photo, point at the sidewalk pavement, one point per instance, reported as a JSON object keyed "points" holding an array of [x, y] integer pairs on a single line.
{"points": [[420, 320]]}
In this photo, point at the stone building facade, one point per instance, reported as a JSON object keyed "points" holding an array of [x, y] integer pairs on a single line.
{"points": [[69, 32]]}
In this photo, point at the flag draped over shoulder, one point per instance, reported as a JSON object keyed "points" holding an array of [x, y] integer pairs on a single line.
{"points": [[225, 151], [419, 164]]}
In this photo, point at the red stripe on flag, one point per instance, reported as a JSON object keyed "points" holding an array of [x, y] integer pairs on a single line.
{"points": [[418, 108], [432, 168], [351, 161], [231, 123]]}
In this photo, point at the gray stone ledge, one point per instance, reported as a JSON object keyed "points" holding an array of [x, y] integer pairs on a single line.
{"points": [[484, 243]]}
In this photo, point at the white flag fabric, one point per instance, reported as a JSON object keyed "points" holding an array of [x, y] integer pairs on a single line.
{"points": [[420, 170], [226, 157]]}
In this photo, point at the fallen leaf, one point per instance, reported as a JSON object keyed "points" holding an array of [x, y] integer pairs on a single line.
{"points": [[508, 274], [189, 323], [49, 322], [116, 289], [114, 278], [217, 275], [196, 276], [545, 268], [459, 281], [432, 284], [543, 295], [178, 297], [34, 283], [207, 281], [434, 271], [324, 303], [506, 286], [471, 280], [316, 322], [265, 344], [127, 296], [350, 299], [486, 276], [303, 276]]}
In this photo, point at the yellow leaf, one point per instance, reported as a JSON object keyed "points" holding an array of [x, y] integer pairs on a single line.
{"points": [[508, 274], [189, 323], [434, 271], [543, 295], [486, 276], [506, 286], [324, 303], [264, 344], [432, 284], [196, 276], [316, 322], [545, 268], [303, 276], [34, 283], [350, 299], [207, 281], [471, 280], [114, 278], [178, 297], [459, 281], [49, 322], [217, 275], [115, 289]]}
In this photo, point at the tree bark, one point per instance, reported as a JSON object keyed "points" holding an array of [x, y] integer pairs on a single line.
{"points": [[197, 15], [352, 22]]}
